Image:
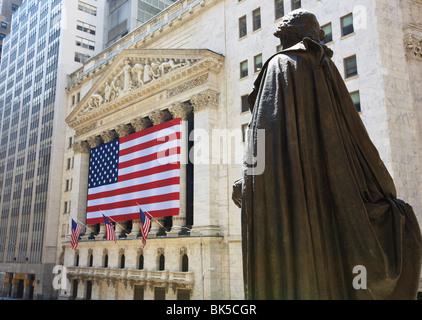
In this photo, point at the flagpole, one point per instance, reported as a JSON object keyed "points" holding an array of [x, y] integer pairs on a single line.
{"points": [[149, 214], [114, 221], [80, 222]]}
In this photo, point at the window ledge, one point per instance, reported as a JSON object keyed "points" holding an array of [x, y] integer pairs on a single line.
{"points": [[352, 78], [348, 36]]}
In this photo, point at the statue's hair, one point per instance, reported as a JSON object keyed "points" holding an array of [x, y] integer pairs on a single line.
{"points": [[302, 23]]}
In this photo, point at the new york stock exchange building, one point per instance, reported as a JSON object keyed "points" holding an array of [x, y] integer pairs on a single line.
{"points": [[133, 91], [172, 95]]}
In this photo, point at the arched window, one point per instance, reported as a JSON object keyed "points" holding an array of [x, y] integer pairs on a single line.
{"points": [[185, 263], [161, 262], [141, 262], [122, 261], [105, 261]]}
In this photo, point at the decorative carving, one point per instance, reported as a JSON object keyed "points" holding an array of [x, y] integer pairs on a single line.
{"points": [[108, 136], [413, 47], [94, 141], [86, 129], [81, 147], [187, 85], [141, 124], [124, 130], [206, 99], [180, 110], [161, 116]]}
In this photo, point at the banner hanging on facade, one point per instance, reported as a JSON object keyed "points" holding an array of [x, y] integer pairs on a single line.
{"points": [[141, 168]]}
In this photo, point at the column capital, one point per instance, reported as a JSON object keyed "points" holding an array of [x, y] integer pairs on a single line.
{"points": [[108, 136], [206, 99], [139, 124], [124, 130], [81, 147], [159, 116], [94, 141], [180, 110]]}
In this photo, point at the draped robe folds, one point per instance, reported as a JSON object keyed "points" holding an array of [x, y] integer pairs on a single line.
{"points": [[325, 202]]}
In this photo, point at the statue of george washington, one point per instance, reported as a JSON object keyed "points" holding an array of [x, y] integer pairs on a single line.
{"points": [[325, 203]]}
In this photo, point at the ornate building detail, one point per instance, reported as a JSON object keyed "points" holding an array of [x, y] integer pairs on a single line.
{"points": [[94, 141], [139, 124], [188, 85], [81, 147], [86, 129], [206, 99], [109, 136], [124, 130], [134, 75], [158, 117], [413, 47], [180, 110]]}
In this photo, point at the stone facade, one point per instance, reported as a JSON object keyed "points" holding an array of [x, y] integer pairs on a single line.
{"points": [[186, 63]]}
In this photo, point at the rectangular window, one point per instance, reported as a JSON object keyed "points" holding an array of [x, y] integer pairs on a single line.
{"points": [[350, 67], [279, 8], [85, 7], [356, 100], [85, 43], [256, 16], [347, 25], [296, 4], [243, 29], [81, 57], [258, 63], [245, 103], [85, 27], [328, 32], [244, 69], [3, 25]]}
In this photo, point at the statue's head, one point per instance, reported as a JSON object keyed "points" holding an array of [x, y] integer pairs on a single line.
{"points": [[297, 25]]}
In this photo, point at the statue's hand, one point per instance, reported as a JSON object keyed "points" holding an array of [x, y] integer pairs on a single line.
{"points": [[237, 192]]}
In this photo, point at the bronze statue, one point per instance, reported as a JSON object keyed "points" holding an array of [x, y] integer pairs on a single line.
{"points": [[324, 211]]}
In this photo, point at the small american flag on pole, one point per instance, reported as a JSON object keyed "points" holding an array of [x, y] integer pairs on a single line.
{"points": [[110, 234], [76, 230], [142, 167], [145, 226]]}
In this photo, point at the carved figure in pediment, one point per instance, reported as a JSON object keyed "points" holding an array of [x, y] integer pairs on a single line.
{"points": [[107, 92], [127, 77], [114, 89], [169, 65], [138, 70], [95, 101]]}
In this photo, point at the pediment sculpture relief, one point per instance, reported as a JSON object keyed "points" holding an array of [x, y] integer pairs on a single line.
{"points": [[134, 75]]}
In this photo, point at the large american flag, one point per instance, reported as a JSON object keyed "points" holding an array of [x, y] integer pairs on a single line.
{"points": [[143, 167], [74, 237]]}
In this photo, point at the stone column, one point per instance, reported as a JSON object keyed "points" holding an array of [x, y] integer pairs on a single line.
{"points": [[181, 110], [81, 151], [205, 175]]}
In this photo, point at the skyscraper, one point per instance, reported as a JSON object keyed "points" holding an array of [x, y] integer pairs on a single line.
{"points": [[46, 42], [7, 9], [123, 16]]}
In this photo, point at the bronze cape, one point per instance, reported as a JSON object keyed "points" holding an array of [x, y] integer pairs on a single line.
{"points": [[325, 202]]}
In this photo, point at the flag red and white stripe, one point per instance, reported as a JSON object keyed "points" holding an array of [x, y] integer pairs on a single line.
{"points": [[74, 237], [110, 233], [142, 167], [145, 226]]}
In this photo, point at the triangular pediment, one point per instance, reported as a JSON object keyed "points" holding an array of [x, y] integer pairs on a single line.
{"points": [[138, 73]]}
